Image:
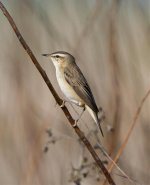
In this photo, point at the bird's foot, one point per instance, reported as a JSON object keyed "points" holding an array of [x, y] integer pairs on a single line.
{"points": [[75, 123], [63, 104]]}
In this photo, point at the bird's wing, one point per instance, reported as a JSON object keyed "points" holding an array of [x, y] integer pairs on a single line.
{"points": [[75, 78]]}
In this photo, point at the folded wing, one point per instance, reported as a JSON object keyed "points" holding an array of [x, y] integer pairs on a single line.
{"points": [[77, 81]]}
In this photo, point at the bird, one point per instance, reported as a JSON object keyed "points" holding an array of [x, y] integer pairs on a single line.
{"points": [[73, 84]]}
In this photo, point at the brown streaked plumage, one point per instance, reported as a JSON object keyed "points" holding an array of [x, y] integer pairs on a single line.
{"points": [[73, 84], [75, 78]]}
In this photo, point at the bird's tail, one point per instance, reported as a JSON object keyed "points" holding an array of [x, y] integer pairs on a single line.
{"points": [[95, 117]]}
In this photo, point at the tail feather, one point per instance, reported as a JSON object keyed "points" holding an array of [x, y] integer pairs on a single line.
{"points": [[95, 117]]}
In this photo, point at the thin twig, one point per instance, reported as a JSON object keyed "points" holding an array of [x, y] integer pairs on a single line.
{"points": [[114, 64], [57, 98], [115, 164], [133, 123]]}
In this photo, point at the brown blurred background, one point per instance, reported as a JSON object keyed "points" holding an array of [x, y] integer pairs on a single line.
{"points": [[110, 41]]}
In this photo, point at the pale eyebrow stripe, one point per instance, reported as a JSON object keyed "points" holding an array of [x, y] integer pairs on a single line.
{"points": [[61, 55]]}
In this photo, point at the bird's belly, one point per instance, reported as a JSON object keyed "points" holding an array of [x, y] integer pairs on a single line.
{"points": [[68, 91]]}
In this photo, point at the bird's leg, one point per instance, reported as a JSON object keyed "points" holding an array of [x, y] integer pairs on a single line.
{"points": [[81, 114], [76, 121]]}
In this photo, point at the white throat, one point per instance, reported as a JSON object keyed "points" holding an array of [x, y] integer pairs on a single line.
{"points": [[54, 62]]}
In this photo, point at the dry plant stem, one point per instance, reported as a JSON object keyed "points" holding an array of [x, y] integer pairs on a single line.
{"points": [[115, 73], [133, 123], [58, 100], [129, 131], [124, 174]]}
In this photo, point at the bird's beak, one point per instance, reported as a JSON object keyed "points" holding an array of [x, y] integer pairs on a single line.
{"points": [[46, 55]]}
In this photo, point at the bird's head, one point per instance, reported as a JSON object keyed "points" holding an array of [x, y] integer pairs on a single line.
{"points": [[60, 58]]}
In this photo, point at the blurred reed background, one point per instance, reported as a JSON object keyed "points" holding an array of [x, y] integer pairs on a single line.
{"points": [[110, 40]]}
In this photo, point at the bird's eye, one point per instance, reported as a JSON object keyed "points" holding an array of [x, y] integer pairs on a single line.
{"points": [[57, 56]]}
